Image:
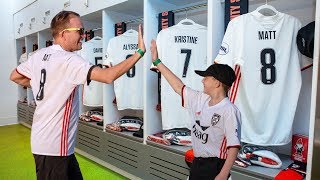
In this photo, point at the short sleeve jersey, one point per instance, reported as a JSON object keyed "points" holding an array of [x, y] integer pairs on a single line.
{"points": [[30, 97], [182, 48], [23, 58], [92, 52], [22, 92], [54, 77], [269, 78], [214, 128], [128, 88]]}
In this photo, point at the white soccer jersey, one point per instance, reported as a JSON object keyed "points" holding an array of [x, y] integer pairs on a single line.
{"points": [[22, 92], [92, 52], [214, 128], [56, 117], [22, 96], [128, 87], [23, 58], [267, 89], [30, 97], [183, 49]]}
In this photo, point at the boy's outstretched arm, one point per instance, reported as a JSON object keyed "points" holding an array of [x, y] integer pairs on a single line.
{"points": [[173, 80]]}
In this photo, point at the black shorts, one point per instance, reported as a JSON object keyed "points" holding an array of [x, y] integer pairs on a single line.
{"points": [[205, 168], [57, 167]]}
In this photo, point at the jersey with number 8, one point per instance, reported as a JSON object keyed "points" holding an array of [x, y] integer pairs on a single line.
{"points": [[264, 47], [183, 49], [128, 87]]}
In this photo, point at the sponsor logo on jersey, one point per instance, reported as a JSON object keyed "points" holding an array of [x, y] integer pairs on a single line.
{"points": [[224, 49], [215, 119], [202, 127], [199, 134]]}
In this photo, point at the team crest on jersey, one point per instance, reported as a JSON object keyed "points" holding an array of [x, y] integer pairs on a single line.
{"points": [[224, 49], [215, 119]]}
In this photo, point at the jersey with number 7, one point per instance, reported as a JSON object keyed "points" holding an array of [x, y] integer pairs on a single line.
{"points": [[267, 89], [182, 48]]}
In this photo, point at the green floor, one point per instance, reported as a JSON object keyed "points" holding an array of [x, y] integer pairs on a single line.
{"points": [[16, 160]]}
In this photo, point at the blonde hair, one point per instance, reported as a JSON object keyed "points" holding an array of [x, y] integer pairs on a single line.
{"points": [[61, 21]]}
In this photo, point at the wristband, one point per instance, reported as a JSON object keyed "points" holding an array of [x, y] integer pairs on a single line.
{"points": [[156, 62], [140, 52]]}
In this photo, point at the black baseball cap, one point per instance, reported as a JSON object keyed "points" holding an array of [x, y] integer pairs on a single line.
{"points": [[221, 72], [305, 39]]}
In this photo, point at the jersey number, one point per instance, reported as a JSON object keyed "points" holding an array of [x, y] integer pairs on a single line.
{"points": [[41, 88], [96, 59], [186, 63], [268, 70], [132, 72]]}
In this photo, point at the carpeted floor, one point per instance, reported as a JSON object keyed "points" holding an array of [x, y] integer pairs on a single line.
{"points": [[16, 160]]}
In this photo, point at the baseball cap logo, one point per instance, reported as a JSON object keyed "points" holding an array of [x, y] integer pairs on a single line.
{"points": [[224, 49]]}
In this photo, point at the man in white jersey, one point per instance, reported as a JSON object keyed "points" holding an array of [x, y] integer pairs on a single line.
{"points": [[182, 48], [92, 52], [119, 48], [54, 74], [215, 120], [263, 52]]}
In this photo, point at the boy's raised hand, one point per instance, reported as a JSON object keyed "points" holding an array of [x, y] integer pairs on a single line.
{"points": [[154, 51]]}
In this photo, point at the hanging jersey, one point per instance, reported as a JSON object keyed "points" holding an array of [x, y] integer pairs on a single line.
{"points": [[22, 92], [128, 87], [23, 58], [214, 128], [22, 96], [30, 98], [92, 52], [182, 48], [56, 117], [268, 74]]}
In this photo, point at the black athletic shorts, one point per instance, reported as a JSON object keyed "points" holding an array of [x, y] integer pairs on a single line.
{"points": [[57, 167], [205, 168]]}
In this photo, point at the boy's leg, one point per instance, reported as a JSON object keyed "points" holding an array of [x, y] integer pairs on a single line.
{"points": [[57, 167]]}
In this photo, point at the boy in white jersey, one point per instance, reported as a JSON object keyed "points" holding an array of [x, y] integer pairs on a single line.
{"points": [[54, 74], [216, 121]]}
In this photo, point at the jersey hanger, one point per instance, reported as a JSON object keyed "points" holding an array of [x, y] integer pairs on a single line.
{"points": [[267, 10], [186, 21], [96, 38], [131, 31]]}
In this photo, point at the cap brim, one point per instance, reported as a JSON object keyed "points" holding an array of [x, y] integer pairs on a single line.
{"points": [[202, 73]]}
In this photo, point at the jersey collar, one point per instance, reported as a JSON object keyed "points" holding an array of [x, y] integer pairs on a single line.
{"points": [[57, 47], [267, 20]]}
